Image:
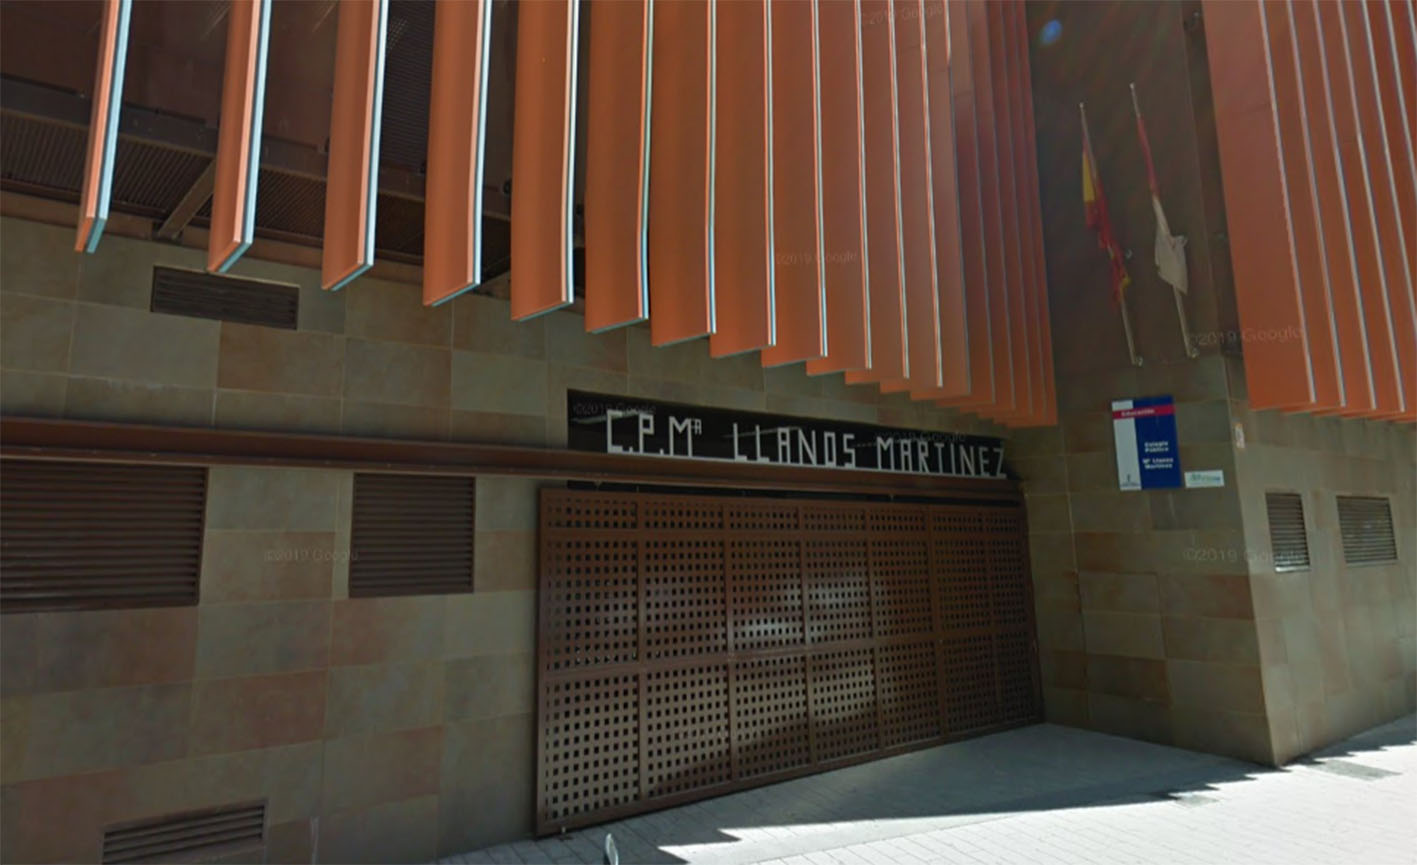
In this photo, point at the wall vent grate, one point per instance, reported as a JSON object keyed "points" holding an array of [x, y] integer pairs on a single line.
{"points": [[210, 835], [411, 535], [225, 298], [1365, 524], [97, 535], [1287, 540]]}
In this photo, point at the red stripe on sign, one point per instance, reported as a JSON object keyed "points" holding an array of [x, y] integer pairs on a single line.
{"points": [[1144, 411]]}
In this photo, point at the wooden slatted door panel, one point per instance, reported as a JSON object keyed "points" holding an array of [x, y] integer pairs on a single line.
{"points": [[90, 535], [692, 645]]}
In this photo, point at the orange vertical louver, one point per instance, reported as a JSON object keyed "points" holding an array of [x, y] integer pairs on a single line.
{"points": [[1261, 242], [457, 118], [744, 311], [103, 123], [886, 285], [917, 217], [352, 178], [617, 164], [543, 156], [681, 278], [796, 186], [238, 154], [1046, 407], [945, 200], [843, 191]]}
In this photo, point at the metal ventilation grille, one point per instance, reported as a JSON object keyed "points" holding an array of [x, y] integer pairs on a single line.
{"points": [[151, 179], [411, 535], [232, 833], [42, 157], [1287, 540], [225, 298], [1365, 522], [93, 535]]}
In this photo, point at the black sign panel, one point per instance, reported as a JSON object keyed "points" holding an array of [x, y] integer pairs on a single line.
{"points": [[628, 425]]}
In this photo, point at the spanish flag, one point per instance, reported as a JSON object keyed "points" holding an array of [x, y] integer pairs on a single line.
{"points": [[1094, 203]]}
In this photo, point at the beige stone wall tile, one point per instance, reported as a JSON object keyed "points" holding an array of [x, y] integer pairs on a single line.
{"points": [[1051, 553], [1219, 595], [392, 372], [1207, 421], [140, 346], [1090, 432], [568, 343], [276, 412], [267, 637], [1207, 551], [291, 843], [1114, 511], [120, 272], [1056, 590], [1048, 512], [389, 420], [37, 819], [242, 566], [1040, 475], [743, 399], [1131, 635], [1217, 508], [344, 508], [1059, 629], [745, 372], [274, 499], [1134, 678], [320, 311], [378, 309], [488, 783], [1216, 686], [662, 389], [56, 734], [1233, 641], [525, 430], [683, 362], [491, 686], [273, 360], [498, 383], [490, 623], [35, 332], [507, 503], [361, 771], [384, 698], [1232, 734], [36, 258], [19, 654], [793, 379], [113, 648], [1041, 441], [287, 777], [135, 402], [505, 561], [379, 630], [1065, 706], [485, 324], [1202, 379], [1119, 552], [1063, 669], [32, 394], [1091, 471], [1125, 716], [257, 712], [403, 831], [1124, 593]]}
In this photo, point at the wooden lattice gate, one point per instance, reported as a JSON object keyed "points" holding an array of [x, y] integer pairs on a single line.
{"points": [[692, 645]]}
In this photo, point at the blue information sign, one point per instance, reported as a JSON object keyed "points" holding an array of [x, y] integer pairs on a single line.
{"points": [[1145, 433]]}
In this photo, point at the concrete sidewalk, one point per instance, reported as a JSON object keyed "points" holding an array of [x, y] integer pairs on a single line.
{"points": [[1042, 794]]}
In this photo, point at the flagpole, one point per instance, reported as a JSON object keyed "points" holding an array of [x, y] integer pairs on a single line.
{"points": [[1161, 223], [1121, 293]]}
